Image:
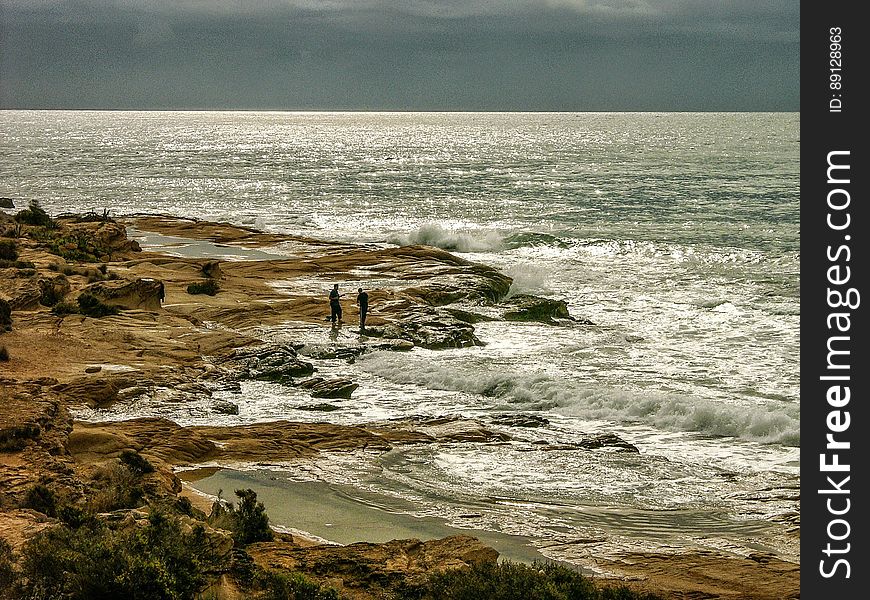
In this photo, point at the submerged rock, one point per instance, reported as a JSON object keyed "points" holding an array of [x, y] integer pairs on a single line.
{"points": [[525, 307], [431, 328], [331, 352], [322, 407], [270, 362], [520, 421], [594, 442], [225, 407], [329, 388]]}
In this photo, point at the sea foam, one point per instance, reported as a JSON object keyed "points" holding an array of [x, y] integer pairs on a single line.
{"points": [[765, 423]]}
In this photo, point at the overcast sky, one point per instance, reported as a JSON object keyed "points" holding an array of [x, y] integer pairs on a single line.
{"points": [[401, 54]]}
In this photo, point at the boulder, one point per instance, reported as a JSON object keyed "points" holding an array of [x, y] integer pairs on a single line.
{"points": [[525, 307], [431, 328], [270, 362], [225, 407], [329, 388], [7, 203], [142, 293]]}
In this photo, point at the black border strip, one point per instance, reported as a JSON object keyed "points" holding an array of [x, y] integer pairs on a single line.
{"points": [[834, 267]]}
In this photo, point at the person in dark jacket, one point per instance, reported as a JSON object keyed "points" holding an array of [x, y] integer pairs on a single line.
{"points": [[334, 305], [362, 298]]}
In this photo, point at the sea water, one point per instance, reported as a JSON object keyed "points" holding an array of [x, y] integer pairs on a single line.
{"points": [[676, 234]]}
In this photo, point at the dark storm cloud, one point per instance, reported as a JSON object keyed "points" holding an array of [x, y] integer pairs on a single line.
{"points": [[392, 55]]}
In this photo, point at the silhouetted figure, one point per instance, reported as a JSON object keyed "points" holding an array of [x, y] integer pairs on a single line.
{"points": [[334, 305], [362, 299], [162, 293]]}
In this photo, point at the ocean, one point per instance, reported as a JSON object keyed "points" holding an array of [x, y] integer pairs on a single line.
{"points": [[676, 234]]}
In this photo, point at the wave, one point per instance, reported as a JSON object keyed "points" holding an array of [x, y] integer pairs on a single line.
{"points": [[778, 424], [433, 234], [475, 240]]}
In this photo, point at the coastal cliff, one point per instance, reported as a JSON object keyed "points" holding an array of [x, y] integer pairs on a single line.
{"points": [[93, 319]]}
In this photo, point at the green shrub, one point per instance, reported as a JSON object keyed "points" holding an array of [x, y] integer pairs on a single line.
{"points": [[61, 309], [7, 569], [248, 521], [91, 306], [8, 250], [210, 287], [51, 294], [35, 215], [137, 463], [75, 516], [116, 487], [5, 316], [78, 247], [278, 585], [516, 581], [41, 499], [159, 560]]}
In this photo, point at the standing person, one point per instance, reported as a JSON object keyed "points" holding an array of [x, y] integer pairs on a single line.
{"points": [[362, 299], [334, 304]]}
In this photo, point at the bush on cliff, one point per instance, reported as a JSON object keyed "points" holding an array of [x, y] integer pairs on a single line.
{"points": [[4, 354], [35, 215], [135, 462], [516, 581], [158, 560], [210, 287], [91, 306], [117, 486], [41, 499], [7, 570], [5, 316], [61, 309], [8, 251], [279, 585], [248, 521]]}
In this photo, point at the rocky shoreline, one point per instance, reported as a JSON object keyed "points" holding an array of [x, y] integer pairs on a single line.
{"points": [[94, 319]]}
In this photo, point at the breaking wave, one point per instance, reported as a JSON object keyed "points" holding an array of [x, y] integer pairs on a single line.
{"points": [[474, 240], [435, 235], [779, 424]]}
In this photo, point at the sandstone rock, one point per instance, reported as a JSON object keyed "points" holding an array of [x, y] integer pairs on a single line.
{"points": [[143, 293], [107, 235], [95, 392], [365, 570]]}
